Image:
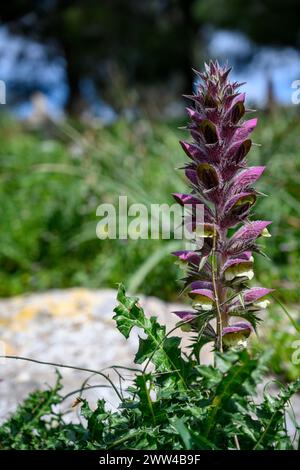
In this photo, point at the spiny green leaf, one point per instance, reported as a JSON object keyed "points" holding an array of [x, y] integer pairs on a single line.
{"points": [[163, 351], [128, 313]]}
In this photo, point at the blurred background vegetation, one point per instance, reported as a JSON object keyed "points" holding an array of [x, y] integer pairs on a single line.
{"points": [[93, 105], [52, 182]]}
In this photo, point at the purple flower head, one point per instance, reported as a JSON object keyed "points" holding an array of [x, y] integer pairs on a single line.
{"points": [[219, 269]]}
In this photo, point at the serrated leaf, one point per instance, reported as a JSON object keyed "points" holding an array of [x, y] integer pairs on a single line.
{"points": [[128, 313]]}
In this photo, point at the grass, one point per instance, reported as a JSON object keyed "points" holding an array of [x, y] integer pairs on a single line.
{"points": [[53, 180]]}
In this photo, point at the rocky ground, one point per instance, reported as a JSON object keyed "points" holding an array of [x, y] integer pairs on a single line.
{"points": [[72, 327]]}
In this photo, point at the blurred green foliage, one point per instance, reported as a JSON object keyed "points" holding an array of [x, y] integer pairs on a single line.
{"points": [[281, 332], [53, 180]]}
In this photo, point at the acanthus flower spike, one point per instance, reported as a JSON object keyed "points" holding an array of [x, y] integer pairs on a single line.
{"points": [[218, 270]]}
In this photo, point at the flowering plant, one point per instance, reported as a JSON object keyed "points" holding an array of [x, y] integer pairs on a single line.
{"points": [[218, 269], [174, 402]]}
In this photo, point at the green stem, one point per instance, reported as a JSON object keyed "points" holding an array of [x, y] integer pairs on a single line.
{"points": [[66, 366], [219, 345]]}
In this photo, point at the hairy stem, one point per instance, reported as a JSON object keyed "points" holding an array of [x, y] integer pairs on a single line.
{"points": [[215, 281]]}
